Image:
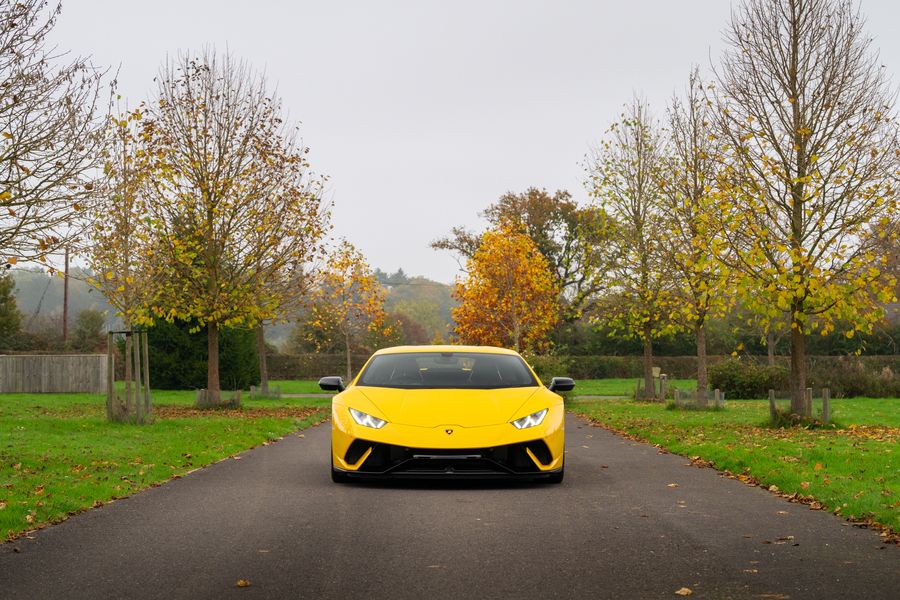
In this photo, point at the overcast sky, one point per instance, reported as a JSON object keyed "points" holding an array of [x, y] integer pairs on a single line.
{"points": [[424, 112]]}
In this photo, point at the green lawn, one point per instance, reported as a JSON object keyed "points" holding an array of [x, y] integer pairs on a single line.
{"points": [[621, 387], [852, 469], [297, 386], [58, 455]]}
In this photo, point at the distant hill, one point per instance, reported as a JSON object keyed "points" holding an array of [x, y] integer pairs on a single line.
{"points": [[39, 296], [427, 302]]}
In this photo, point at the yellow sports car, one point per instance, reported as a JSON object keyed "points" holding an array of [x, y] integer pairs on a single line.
{"points": [[447, 411]]}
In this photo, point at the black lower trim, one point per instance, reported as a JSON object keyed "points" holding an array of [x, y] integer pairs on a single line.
{"points": [[387, 460]]}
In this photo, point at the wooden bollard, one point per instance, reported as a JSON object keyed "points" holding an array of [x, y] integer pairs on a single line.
{"points": [[826, 405], [717, 395], [772, 405], [809, 402], [662, 387]]}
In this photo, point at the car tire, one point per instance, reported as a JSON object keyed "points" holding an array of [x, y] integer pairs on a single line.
{"points": [[338, 476], [557, 477]]}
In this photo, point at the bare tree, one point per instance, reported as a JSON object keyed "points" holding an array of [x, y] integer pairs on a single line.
{"points": [[625, 178], [807, 117], [689, 208], [234, 205], [51, 116]]}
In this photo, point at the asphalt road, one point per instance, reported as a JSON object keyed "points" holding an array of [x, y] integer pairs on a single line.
{"points": [[613, 529]]}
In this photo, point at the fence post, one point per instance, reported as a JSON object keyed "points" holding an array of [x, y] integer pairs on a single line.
{"points": [[717, 397], [138, 390], [809, 402], [146, 349], [772, 405], [826, 406], [662, 387], [110, 376]]}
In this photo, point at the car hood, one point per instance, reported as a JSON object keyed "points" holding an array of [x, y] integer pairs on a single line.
{"points": [[434, 407]]}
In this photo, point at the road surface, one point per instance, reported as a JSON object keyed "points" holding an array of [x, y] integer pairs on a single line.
{"points": [[614, 529]]}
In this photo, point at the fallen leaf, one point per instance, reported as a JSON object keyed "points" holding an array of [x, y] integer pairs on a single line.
{"points": [[804, 485], [243, 583], [818, 467], [672, 485], [782, 512], [684, 591]]}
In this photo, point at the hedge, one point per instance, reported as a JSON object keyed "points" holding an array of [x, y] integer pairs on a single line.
{"points": [[826, 368]]}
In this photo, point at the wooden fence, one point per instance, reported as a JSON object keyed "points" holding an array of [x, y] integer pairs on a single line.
{"points": [[53, 373]]}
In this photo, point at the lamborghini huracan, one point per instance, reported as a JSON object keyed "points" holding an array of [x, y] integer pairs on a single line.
{"points": [[444, 412]]}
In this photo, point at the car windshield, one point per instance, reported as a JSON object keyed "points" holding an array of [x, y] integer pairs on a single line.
{"points": [[457, 370]]}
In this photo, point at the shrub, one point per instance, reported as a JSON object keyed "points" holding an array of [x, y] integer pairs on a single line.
{"points": [[745, 379], [178, 357], [548, 367]]}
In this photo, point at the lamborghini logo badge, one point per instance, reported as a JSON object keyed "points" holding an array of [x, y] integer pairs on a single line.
{"points": [[448, 431]]}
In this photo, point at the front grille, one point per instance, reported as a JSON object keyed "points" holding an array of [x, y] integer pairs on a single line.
{"points": [[511, 459]]}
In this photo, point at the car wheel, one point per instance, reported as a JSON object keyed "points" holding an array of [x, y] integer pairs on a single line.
{"points": [[557, 477], [338, 476]]}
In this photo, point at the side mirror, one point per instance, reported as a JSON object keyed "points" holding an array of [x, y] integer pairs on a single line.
{"points": [[332, 384], [562, 384]]}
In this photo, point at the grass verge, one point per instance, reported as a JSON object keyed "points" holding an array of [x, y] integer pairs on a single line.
{"points": [[59, 455], [851, 469]]}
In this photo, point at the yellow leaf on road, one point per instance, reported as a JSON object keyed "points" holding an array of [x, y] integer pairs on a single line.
{"points": [[243, 583], [684, 591]]}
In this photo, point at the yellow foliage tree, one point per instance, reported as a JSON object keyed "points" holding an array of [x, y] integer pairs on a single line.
{"points": [[348, 303], [625, 179], [807, 118], [510, 296], [233, 206]]}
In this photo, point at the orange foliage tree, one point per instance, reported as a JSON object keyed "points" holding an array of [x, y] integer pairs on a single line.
{"points": [[510, 296]]}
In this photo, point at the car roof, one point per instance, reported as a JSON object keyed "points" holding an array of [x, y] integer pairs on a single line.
{"points": [[446, 348]]}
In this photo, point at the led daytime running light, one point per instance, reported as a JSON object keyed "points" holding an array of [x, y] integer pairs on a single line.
{"points": [[532, 420], [367, 420]]}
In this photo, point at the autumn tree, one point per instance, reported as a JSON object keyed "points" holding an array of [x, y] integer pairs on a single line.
{"points": [[118, 246], [509, 296], [689, 210], [625, 175], [50, 134], [570, 237], [806, 113], [231, 201], [348, 304]]}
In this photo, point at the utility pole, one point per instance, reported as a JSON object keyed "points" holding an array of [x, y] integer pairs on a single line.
{"points": [[66, 298]]}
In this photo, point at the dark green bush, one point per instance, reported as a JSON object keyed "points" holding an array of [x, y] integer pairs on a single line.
{"points": [[548, 367], [849, 376], [746, 379], [178, 357]]}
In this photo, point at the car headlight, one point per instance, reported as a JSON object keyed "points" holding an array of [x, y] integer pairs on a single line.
{"points": [[531, 420], [366, 420]]}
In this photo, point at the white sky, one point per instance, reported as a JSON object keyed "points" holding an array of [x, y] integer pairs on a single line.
{"points": [[423, 112]]}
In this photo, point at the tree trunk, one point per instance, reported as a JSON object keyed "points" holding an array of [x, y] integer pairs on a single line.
{"points": [[798, 371], [347, 350], [649, 387], [213, 387], [770, 346], [701, 365], [263, 364]]}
